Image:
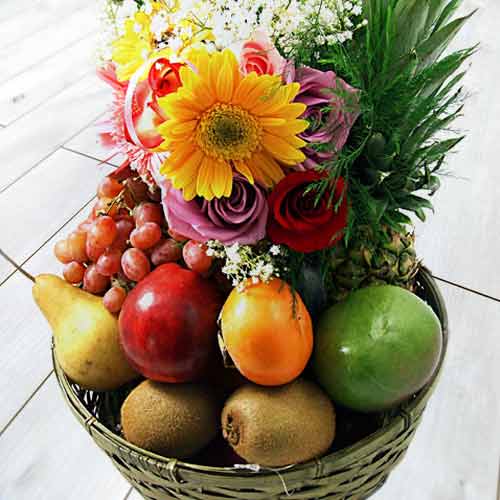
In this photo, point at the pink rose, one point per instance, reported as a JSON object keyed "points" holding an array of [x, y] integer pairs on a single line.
{"points": [[260, 55]]}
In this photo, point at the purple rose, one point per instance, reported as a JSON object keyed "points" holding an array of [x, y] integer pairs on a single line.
{"points": [[332, 109], [239, 218]]}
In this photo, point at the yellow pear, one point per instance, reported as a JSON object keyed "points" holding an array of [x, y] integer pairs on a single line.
{"points": [[86, 335]]}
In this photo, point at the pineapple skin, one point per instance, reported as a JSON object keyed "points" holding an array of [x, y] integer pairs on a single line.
{"points": [[366, 262]]}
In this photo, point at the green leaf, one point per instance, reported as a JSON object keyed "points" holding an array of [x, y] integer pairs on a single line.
{"points": [[420, 214], [447, 13], [433, 124], [413, 203], [396, 220], [410, 17], [433, 185], [442, 71], [435, 9], [438, 150], [376, 208], [430, 50]]}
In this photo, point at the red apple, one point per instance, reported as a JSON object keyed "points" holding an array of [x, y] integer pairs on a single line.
{"points": [[168, 324]]}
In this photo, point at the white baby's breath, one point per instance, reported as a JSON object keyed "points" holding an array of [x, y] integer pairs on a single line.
{"points": [[290, 23], [259, 263]]}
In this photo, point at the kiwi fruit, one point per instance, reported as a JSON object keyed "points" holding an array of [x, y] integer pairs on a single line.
{"points": [[278, 426], [173, 420]]}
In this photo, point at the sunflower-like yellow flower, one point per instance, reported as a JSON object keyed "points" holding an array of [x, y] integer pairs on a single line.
{"points": [[220, 120], [133, 48], [137, 44]]}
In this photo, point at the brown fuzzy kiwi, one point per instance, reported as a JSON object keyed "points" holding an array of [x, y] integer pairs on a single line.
{"points": [[173, 420], [277, 426]]}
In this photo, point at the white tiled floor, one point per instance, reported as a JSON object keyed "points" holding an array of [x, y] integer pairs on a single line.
{"points": [[49, 99]]}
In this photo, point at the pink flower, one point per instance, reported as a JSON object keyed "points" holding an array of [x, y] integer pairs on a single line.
{"points": [[115, 136], [260, 55]]}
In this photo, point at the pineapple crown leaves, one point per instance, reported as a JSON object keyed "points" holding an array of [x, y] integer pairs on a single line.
{"points": [[410, 97]]}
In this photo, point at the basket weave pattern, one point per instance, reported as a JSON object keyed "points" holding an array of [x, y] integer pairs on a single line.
{"points": [[352, 473]]}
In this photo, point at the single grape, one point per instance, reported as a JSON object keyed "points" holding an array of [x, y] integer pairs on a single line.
{"points": [[114, 298], [123, 229], [103, 231], [146, 236], [73, 272], [62, 252], [109, 262], [196, 258], [124, 214], [109, 188], [105, 206], [94, 282], [94, 251], [177, 236], [138, 190], [85, 226], [148, 212], [135, 264], [77, 244], [166, 251]]}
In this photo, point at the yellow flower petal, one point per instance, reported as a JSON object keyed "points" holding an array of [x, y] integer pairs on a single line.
{"points": [[188, 172], [174, 109], [243, 169], [225, 82], [283, 151], [291, 111], [245, 86], [222, 172], [294, 141], [216, 62], [220, 121], [205, 178], [179, 157], [272, 102], [262, 92], [178, 131], [293, 90], [291, 127], [272, 122], [272, 171]]}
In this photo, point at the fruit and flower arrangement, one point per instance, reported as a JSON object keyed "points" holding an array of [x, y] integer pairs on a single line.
{"points": [[248, 274]]}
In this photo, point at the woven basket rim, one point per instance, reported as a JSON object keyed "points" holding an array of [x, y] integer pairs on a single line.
{"points": [[417, 402]]}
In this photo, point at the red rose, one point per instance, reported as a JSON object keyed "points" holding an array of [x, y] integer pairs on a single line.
{"points": [[297, 221], [164, 77]]}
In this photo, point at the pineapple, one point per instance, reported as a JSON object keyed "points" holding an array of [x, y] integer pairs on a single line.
{"points": [[370, 261], [410, 94]]}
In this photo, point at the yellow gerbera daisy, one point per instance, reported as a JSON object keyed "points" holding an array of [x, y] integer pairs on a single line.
{"points": [[220, 120], [134, 47], [137, 44]]}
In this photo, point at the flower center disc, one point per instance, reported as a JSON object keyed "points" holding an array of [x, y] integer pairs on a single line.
{"points": [[228, 132]]}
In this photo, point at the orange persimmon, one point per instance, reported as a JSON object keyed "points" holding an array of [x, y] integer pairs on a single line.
{"points": [[267, 332]]}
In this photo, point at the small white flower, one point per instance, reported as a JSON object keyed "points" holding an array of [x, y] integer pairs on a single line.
{"points": [[147, 8], [275, 250], [175, 44], [232, 253]]}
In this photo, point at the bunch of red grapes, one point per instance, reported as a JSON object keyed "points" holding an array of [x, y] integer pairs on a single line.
{"points": [[124, 238]]}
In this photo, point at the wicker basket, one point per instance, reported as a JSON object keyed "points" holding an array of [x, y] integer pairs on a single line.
{"points": [[355, 472]]}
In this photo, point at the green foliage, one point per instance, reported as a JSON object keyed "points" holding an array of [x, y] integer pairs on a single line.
{"points": [[410, 96]]}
